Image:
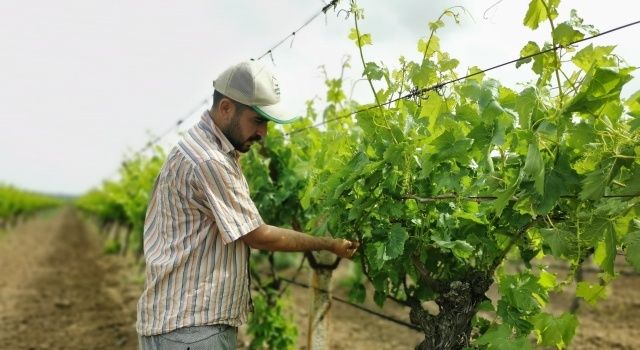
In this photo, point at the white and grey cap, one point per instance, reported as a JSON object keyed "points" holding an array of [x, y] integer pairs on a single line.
{"points": [[252, 84]]}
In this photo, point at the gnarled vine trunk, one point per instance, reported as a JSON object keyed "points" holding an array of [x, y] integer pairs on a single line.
{"points": [[451, 329]]}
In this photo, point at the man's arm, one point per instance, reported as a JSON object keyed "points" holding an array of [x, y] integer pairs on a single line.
{"points": [[272, 238]]}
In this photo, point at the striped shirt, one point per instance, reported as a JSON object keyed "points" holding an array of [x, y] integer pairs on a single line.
{"points": [[196, 267]]}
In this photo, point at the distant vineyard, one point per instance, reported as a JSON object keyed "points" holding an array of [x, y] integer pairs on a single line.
{"points": [[15, 203], [123, 201]]}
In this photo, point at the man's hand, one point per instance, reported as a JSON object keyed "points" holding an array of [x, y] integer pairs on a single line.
{"points": [[344, 248]]}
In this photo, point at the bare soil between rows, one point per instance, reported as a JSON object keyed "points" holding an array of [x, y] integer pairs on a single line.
{"points": [[59, 291]]}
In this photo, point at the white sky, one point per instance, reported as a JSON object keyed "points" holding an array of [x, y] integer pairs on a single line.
{"points": [[82, 83]]}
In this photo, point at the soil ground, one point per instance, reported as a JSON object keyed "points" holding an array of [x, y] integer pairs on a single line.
{"points": [[59, 291]]}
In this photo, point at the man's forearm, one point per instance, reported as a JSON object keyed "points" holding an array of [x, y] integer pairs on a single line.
{"points": [[272, 238]]}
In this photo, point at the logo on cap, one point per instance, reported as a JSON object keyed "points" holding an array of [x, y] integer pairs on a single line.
{"points": [[276, 87]]}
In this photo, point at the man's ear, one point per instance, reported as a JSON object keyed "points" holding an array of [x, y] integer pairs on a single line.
{"points": [[226, 109]]}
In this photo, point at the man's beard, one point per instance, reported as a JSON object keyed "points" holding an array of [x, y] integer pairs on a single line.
{"points": [[232, 132]]}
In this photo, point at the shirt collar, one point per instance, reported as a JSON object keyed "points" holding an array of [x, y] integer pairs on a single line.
{"points": [[207, 124]]}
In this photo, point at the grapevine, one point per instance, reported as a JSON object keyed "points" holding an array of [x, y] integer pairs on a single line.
{"points": [[556, 164]]}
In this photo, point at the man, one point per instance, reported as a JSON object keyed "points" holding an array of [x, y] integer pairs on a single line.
{"points": [[201, 222]]}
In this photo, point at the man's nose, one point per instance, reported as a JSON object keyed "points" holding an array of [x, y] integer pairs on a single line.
{"points": [[262, 130]]}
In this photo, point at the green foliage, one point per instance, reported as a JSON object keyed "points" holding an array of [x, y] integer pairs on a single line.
{"points": [[16, 202], [632, 244], [269, 326], [539, 11], [111, 246], [502, 338], [591, 293], [440, 189], [125, 200], [555, 331]]}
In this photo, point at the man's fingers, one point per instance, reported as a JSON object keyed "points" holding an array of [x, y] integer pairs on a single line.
{"points": [[351, 246], [348, 248]]}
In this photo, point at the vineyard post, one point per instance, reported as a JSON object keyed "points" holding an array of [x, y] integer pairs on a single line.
{"points": [[125, 236], [323, 263], [111, 229]]}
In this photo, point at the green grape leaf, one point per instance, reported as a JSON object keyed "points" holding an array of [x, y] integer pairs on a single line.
{"points": [[460, 249], [519, 291], [449, 64], [633, 109], [334, 91], [435, 25], [632, 244], [433, 46], [562, 243], [593, 185], [531, 48], [635, 123], [501, 338], [504, 197], [365, 39], [564, 34], [586, 58], [547, 280], [375, 255], [538, 13], [379, 298], [633, 103], [591, 293], [526, 104], [448, 147], [534, 167], [606, 249], [580, 135], [358, 293], [556, 183], [603, 88], [555, 331], [486, 305], [397, 238], [373, 71]]}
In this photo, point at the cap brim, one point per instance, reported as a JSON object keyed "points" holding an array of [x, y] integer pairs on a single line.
{"points": [[276, 113]]}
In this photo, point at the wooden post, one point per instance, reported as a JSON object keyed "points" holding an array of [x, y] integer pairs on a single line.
{"points": [[125, 232], [323, 264], [112, 231]]}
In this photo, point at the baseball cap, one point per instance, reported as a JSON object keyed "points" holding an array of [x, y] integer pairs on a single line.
{"points": [[252, 84]]}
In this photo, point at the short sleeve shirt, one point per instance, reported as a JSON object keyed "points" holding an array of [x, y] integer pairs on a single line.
{"points": [[196, 266]]}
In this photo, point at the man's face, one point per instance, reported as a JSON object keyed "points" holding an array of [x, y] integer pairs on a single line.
{"points": [[245, 127]]}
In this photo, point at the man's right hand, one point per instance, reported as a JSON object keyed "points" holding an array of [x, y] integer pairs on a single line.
{"points": [[344, 248]]}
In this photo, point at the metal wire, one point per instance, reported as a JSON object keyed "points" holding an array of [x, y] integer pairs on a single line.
{"points": [[421, 92], [269, 52], [324, 9], [359, 307]]}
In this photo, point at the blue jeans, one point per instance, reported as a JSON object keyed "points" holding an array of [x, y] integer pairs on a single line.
{"points": [[218, 337]]}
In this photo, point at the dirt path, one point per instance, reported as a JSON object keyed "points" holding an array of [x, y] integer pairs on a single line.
{"points": [[58, 291]]}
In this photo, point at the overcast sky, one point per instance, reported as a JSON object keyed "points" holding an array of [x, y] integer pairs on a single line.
{"points": [[84, 82]]}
